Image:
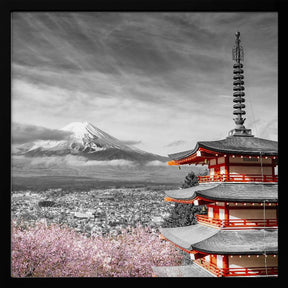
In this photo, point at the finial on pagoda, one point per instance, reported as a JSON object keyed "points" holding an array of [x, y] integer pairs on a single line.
{"points": [[238, 88]]}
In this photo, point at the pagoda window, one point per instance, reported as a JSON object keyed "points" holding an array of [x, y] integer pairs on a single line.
{"points": [[212, 162], [221, 160], [220, 261], [222, 170], [212, 171], [221, 213], [210, 212]]}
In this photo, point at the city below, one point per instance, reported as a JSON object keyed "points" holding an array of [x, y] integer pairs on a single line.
{"points": [[99, 211]]}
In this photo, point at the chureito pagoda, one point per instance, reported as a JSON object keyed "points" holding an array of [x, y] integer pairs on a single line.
{"points": [[239, 235]]}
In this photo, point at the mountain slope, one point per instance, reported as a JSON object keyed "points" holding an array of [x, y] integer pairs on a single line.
{"points": [[90, 142]]}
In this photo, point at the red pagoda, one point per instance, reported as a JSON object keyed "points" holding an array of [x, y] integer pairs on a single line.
{"points": [[239, 235]]}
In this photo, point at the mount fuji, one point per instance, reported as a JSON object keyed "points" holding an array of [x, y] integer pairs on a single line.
{"points": [[90, 142]]}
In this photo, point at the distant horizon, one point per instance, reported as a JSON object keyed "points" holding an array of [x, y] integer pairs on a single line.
{"points": [[158, 81]]}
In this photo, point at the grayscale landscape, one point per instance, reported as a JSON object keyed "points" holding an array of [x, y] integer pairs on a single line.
{"points": [[99, 100], [91, 181]]}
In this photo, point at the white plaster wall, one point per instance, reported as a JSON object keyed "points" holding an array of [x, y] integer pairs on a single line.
{"points": [[252, 213], [213, 162], [252, 261], [250, 170], [219, 261], [207, 258], [221, 160], [222, 170], [210, 212], [211, 172]]}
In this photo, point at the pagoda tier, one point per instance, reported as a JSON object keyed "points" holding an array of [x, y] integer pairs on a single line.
{"points": [[211, 270], [239, 234], [232, 145], [225, 192], [209, 240], [207, 267], [224, 252], [234, 159], [232, 205]]}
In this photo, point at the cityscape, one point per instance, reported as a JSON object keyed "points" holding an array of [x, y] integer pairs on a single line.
{"points": [[92, 212]]}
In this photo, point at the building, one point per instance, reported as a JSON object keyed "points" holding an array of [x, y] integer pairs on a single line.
{"points": [[239, 235]]}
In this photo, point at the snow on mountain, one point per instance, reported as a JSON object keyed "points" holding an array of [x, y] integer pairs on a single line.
{"points": [[91, 142], [94, 138]]}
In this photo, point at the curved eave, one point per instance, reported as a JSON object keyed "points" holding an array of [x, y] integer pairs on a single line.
{"points": [[181, 271], [227, 242], [225, 192], [189, 193], [185, 237], [231, 145], [204, 239], [242, 192], [238, 152], [184, 154]]}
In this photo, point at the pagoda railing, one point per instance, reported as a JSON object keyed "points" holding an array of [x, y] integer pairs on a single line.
{"points": [[238, 178], [251, 271], [236, 222], [239, 271], [210, 221]]}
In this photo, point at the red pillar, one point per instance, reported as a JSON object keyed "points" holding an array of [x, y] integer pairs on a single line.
{"points": [[225, 265]]}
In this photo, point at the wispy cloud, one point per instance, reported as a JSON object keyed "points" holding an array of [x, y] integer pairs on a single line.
{"points": [[70, 161], [78, 161], [150, 75], [175, 143], [156, 163], [22, 133]]}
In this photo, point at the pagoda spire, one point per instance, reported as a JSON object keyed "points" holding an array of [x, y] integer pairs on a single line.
{"points": [[238, 88]]}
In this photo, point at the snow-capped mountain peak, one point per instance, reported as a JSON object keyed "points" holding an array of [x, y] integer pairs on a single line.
{"points": [[91, 142], [81, 130], [93, 137], [77, 128]]}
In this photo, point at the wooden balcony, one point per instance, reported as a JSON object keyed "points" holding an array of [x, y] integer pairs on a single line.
{"points": [[252, 271], [238, 178], [239, 271], [209, 221], [234, 223]]}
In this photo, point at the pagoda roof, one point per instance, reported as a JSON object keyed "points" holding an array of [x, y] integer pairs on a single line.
{"points": [[181, 271], [212, 240], [241, 242], [187, 236], [189, 193], [229, 192], [234, 144]]}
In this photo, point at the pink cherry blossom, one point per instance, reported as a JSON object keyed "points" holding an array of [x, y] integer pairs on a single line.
{"points": [[54, 251]]}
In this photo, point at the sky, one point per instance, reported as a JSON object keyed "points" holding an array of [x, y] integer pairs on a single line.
{"points": [[159, 81]]}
